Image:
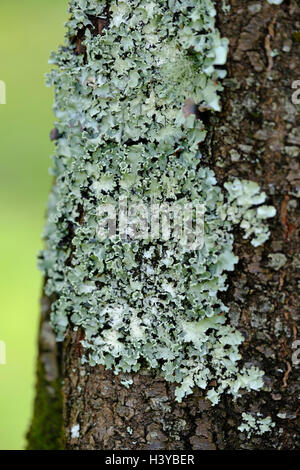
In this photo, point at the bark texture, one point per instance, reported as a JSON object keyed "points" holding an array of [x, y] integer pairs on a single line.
{"points": [[257, 137]]}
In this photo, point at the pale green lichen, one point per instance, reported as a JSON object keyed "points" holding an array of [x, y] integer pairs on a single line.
{"points": [[124, 133], [240, 209], [129, 430], [277, 260], [255, 424], [275, 2], [126, 383]]}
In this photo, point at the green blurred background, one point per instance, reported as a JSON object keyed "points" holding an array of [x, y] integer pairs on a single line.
{"points": [[28, 31]]}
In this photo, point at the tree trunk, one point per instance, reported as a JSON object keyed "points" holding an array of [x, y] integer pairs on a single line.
{"points": [[255, 137]]}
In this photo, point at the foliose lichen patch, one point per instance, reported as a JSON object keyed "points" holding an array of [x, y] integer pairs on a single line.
{"points": [[129, 126], [255, 424]]}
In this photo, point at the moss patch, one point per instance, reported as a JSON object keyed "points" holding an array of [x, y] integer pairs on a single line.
{"points": [[46, 431]]}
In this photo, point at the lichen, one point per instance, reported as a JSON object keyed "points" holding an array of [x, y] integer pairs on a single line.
{"points": [[126, 383], [277, 260], [255, 424], [275, 2], [75, 431], [129, 124]]}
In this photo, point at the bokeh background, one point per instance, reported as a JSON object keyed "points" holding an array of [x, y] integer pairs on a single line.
{"points": [[29, 30]]}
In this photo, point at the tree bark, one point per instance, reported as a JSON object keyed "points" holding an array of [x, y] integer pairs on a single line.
{"points": [[257, 137]]}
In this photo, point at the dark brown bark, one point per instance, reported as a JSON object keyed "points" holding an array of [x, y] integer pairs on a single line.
{"points": [[260, 123]]}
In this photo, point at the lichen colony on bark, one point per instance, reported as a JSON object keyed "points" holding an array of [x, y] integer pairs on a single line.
{"points": [[129, 90], [133, 123]]}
